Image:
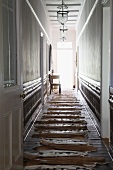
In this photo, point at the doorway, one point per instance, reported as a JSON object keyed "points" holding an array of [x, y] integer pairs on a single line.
{"points": [[65, 68]]}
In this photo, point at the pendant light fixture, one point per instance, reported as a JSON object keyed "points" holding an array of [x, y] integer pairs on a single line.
{"points": [[62, 14], [63, 31], [63, 38]]}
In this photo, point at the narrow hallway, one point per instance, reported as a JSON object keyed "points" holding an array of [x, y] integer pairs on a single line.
{"points": [[65, 137], [71, 40]]}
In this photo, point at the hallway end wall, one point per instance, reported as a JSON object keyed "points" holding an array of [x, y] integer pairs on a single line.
{"points": [[71, 37]]}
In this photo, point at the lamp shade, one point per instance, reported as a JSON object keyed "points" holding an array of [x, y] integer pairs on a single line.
{"points": [[63, 34], [63, 38], [62, 16], [63, 31]]}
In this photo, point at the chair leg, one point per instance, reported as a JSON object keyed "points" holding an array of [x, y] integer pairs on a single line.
{"points": [[60, 89], [50, 89]]}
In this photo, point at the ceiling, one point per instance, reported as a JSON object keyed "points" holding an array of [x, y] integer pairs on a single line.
{"points": [[74, 8]]}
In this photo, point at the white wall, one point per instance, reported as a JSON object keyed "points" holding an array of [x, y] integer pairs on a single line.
{"points": [[40, 12]]}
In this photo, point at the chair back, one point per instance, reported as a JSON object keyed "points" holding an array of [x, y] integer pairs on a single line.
{"points": [[54, 79], [55, 82]]}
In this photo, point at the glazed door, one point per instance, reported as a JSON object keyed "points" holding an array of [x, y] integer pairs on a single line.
{"points": [[10, 87]]}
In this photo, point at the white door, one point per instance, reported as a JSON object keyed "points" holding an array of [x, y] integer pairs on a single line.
{"points": [[10, 88], [65, 68]]}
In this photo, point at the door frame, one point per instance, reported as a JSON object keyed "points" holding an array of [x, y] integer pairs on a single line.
{"points": [[105, 74]]}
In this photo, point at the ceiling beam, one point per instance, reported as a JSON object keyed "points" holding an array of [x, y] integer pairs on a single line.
{"points": [[65, 1], [68, 10], [65, 4], [68, 16], [68, 20], [66, 24]]}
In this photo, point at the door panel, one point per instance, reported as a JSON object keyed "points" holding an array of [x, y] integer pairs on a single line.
{"points": [[17, 133], [8, 140]]}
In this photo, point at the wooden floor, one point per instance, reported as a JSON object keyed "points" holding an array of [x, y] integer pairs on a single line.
{"points": [[92, 136]]}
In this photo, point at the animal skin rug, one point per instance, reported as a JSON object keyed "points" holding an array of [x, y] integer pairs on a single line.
{"points": [[61, 138], [70, 147]]}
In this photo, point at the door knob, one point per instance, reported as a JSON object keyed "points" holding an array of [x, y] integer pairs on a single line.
{"points": [[23, 95]]}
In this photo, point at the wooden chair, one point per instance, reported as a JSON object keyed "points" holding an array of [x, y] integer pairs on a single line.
{"points": [[55, 82]]}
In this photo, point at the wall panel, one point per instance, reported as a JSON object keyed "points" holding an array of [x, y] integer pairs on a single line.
{"points": [[32, 84], [90, 46], [86, 10], [31, 50], [31, 101]]}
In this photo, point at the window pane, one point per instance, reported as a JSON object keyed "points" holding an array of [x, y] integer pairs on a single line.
{"points": [[9, 46], [12, 47], [10, 3], [5, 44], [5, 2]]}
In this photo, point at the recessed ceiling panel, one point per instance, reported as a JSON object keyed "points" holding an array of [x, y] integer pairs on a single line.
{"points": [[74, 8]]}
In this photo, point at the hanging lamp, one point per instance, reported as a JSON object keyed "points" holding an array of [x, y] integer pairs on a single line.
{"points": [[63, 31], [62, 14]]}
